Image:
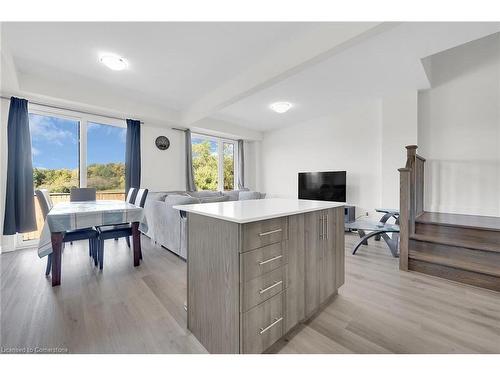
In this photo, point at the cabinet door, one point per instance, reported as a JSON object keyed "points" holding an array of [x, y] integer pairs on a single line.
{"points": [[295, 298], [328, 270], [339, 246], [313, 227]]}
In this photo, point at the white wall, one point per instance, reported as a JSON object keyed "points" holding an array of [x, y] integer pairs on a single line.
{"points": [[459, 129], [349, 141], [252, 151], [162, 170], [165, 170], [399, 129]]}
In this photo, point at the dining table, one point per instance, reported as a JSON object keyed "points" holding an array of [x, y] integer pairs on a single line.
{"points": [[70, 216]]}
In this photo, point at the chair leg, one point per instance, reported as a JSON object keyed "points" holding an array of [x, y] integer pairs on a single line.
{"points": [[91, 246], [100, 251], [49, 265], [128, 241], [95, 251]]}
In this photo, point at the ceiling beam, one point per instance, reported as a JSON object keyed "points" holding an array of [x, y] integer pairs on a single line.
{"points": [[322, 42]]}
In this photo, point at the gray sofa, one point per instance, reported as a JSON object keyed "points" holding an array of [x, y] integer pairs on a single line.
{"points": [[168, 228]]}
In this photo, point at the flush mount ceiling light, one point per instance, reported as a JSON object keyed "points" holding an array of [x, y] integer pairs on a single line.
{"points": [[280, 107], [113, 62]]}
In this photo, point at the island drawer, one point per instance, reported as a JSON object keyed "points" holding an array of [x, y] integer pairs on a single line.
{"points": [[262, 288], [263, 325], [258, 262], [265, 232]]}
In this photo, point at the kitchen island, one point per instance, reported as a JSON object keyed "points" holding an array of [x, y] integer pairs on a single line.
{"points": [[257, 268]]}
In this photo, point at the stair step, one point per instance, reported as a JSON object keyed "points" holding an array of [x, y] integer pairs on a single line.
{"points": [[475, 245], [486, 223], [451, 273], [483, 262]]}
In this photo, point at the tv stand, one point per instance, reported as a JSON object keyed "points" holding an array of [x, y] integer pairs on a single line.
{"points": [[349, 214]]}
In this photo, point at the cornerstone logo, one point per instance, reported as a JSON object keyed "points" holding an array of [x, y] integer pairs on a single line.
{"points": [[33, 350]]}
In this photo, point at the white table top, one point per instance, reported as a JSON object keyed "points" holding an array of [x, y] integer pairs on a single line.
{"points": [[254, 210], [67, 216]]}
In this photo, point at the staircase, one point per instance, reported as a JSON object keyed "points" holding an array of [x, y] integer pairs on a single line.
{"points": [[462, 248]]}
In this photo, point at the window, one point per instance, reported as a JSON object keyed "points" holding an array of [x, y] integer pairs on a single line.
{"points": [[213, 162], [55, 152], [106, 158], [70, 150], [228, 166]]}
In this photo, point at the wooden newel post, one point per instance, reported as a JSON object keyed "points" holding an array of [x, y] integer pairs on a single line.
{"points": [[411, 152], [404, 217]]}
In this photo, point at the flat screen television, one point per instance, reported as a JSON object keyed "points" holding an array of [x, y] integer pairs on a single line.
{"points": [[323, 186]]}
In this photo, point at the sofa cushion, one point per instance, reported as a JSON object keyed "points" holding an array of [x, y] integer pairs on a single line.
{"points": [[176, 199], [176, 192], [232, 195], [156, 195], [247, 195], [204, 193], [223, 198]]}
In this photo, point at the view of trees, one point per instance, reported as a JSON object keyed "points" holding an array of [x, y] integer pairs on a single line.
{"points": [[104, 177], [228, 166], [111, 176], [205, 166]]}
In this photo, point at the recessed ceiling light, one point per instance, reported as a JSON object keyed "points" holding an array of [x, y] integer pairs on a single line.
{"points": [[281, 107], [113, 62]]}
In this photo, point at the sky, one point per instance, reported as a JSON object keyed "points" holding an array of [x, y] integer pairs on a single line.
{"points": [[55, 141]]}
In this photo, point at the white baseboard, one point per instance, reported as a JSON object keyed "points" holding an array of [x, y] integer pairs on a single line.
{"points": [[14, 243]]}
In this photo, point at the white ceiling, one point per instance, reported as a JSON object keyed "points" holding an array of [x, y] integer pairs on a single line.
{"points": [[172, 63], [228, 71], [383, 64]]}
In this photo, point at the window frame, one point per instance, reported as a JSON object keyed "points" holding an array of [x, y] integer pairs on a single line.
{"points": [[83, 121], [220, 159]]}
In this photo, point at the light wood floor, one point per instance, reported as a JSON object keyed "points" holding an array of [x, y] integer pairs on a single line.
{"points": [[127, 310]]}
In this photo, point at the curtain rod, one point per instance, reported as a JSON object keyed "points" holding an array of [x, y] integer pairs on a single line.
{"points": [[205, 134], [69, 109]]}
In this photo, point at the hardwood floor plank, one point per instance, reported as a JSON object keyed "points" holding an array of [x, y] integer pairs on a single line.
{"points": [[140, 310]]}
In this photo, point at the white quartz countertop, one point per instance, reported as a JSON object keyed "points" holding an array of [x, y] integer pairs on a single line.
{"points": [[254, 210]]}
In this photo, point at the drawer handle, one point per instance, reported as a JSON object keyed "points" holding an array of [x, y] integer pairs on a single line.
{"points": [[270, 232], [269, 260], [271, 287], [276, 321]]}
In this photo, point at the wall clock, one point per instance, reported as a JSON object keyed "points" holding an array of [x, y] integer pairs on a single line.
{"points": [[162, 142]]}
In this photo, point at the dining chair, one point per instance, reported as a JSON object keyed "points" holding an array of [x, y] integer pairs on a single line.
{"points": [[118, 231], [89, 234], [132, 193], [82, 194]]}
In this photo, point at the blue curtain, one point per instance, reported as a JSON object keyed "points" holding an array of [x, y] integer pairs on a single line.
{"points": [[133, 155], [19, 197]]}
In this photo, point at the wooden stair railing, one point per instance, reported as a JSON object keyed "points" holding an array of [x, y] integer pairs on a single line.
{"points": [[411, 200], [458, 247]]}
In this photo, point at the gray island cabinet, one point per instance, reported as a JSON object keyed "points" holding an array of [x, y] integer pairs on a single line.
{"points": [[258, 268]]}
